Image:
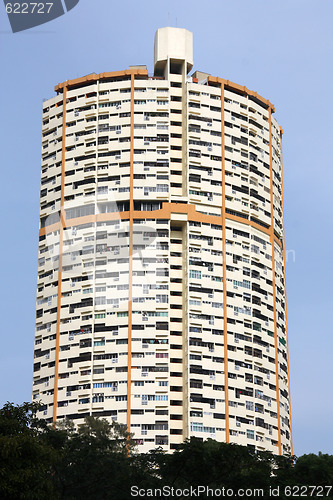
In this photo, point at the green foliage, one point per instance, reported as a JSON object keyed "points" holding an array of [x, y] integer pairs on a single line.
{"points": [[317, 469], [95, 461], [92, 462], [26, 457], [216, 465]]}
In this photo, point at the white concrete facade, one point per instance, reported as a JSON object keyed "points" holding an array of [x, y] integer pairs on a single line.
{"points": [[161, 276]]}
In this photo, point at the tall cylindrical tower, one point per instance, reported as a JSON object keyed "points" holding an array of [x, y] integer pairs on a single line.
{"points": [[161, 274]]}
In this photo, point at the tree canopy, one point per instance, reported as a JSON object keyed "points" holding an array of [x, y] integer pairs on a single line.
{"points": [[99, 460]]}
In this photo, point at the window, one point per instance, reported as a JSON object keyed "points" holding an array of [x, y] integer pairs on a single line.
{"points": [[99, 342], [195, 274], [250, 434], [163, 188], [244, 283], [259, 394], [99, 315], [198, 427], [249, 405], [161, 397], [162, 299], [98, 398], [193, 302]]}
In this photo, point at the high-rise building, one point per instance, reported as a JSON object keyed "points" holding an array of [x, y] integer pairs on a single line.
{"points": [[161, 299]]}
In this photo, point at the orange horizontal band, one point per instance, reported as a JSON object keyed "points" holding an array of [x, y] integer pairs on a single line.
{"points": [[101, 76], [163, 213], [240, 88]]}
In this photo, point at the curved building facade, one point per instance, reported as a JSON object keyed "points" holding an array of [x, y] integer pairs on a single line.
{"points": [[161, 298]]}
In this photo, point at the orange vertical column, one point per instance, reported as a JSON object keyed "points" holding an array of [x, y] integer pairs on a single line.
{"points": [[274, 285], [61, 238], [224, 262], [285, 295], [130, 265]]}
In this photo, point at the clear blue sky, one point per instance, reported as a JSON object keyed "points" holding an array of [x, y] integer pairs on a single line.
{"points": [[282, 50]]}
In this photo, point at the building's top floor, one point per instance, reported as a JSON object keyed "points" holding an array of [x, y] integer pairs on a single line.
{"points": [[173, 54]]}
